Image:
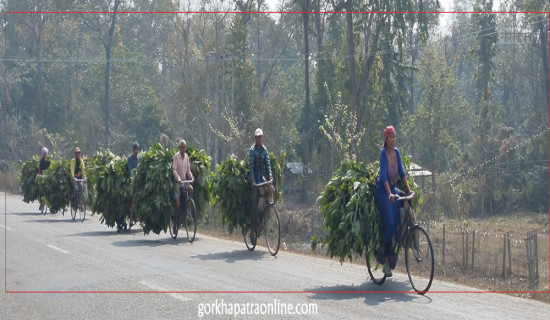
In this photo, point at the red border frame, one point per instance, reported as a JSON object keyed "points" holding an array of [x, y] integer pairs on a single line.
{"points": [[282, 292]]}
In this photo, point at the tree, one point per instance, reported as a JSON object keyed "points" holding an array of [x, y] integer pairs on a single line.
{"points": [[106, 36], [485, 26]]}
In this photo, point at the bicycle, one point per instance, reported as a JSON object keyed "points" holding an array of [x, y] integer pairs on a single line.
{"points": [[78, 202], [190, 214], [419, 254], [269, 225]]}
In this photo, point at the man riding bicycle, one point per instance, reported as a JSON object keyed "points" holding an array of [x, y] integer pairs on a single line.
{"points": [[181, 168], [258, 160], [43, 165], [133, 161], [77, 170]]}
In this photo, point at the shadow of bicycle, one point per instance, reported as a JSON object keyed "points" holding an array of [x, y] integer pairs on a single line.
{"points": [[233, 256], [150, 243], [112, 232], [390, 291]]}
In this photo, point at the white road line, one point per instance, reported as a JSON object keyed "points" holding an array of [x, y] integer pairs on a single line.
{"points": [[56, 248], [6, 228], [158, 288]]}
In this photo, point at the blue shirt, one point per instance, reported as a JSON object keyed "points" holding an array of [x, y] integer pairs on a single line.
{"points": [[258, 159], [383, 173], [133, 163]]}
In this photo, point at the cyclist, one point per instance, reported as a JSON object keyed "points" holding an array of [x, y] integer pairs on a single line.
{"points": [[181, 168], [43, 165], [133, 161], [77, 170], [258, 160], [390, 168]]}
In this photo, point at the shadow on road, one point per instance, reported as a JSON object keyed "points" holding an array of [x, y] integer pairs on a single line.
{"points": [[63, 220], [112, 232], [35, 213], [151, 243], [395, 291], [235, 255]]}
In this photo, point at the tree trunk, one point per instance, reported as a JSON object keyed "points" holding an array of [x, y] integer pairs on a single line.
{"points": [[351, 70], [305, 125], [544, 56], [108, 48]]}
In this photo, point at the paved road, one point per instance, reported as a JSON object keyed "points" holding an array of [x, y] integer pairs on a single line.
{"points": [[52, 253]]}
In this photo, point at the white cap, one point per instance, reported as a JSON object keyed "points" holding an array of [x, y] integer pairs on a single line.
{"points": [[44, 150], [258, 132]]}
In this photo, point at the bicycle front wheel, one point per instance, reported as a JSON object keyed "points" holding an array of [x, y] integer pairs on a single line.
{"points": [[419, 259], [191, 220], [272, 229]]}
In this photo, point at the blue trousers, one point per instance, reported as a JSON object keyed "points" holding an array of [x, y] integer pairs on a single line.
{"points": [[390, 214]]}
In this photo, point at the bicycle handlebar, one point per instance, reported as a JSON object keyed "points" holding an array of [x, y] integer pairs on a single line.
{"points": [[187, 181], [264, 183], [78, 180], [409, 197]]}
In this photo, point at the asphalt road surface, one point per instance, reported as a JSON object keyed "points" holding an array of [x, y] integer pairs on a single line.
{"points": [[56, 268]]}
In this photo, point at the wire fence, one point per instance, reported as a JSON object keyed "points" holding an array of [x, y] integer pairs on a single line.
{"points": [[501, 259]]}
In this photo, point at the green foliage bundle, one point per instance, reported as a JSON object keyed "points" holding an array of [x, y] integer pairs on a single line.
{"points": [[153, 187], [350, 212], [277, 165], [231, 191], [200, 167], [56, 185], [28, 172], [113, 193], [93, 166]]}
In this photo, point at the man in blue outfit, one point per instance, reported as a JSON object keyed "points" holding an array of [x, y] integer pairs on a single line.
{"points": [[258, 161]]}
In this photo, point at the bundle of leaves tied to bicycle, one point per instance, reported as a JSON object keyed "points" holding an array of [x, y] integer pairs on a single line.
{"points": [[114, 194], [231, 192], [93, 165], [153, 187], [56, 185], [349, 210], [28, 171], [200, 168]]}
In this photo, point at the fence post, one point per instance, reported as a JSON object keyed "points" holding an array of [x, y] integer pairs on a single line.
{"points": [[503, 276], [532, 258], [444, 249], [473, 247], [509, 255], [467, 247], [463, 248]]}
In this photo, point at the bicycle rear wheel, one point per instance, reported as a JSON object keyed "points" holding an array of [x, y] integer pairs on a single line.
{"points": [[191, 220], [173, 225], [272, 229], [74, 208], [246, 236], [375, 270], [419, 259]]}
